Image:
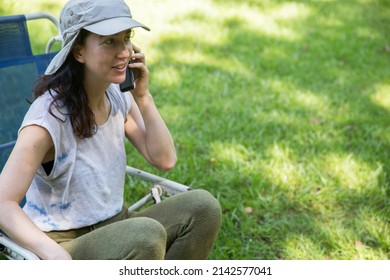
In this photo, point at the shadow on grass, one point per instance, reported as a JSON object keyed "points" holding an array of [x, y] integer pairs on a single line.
{"points": [[310, 96]]}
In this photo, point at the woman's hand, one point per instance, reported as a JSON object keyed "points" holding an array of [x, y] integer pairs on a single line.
{"points": [[138, 62]]}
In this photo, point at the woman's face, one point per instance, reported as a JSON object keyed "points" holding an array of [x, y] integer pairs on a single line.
{"points": [[105, 58]]}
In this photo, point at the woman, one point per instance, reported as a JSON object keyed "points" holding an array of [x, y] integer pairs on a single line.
{"points": [[70, 156]]}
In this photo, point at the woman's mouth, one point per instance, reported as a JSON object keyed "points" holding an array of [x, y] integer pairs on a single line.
{"points": [[120, 67]]}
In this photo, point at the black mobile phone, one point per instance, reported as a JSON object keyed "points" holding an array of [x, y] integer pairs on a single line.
{"points": [[129, 82]]}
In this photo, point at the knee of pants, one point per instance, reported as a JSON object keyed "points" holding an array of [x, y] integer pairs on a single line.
{"points": [[148, 238], [206, 206]]}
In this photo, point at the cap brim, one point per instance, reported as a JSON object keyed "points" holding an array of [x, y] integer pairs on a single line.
{"points": [[114, 25]]}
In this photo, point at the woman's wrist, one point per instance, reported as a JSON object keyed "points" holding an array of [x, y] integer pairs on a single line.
{"points": [[144, 100], [54, 252]]}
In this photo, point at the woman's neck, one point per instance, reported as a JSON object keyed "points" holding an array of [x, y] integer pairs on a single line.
{"points": [[98, 101]]}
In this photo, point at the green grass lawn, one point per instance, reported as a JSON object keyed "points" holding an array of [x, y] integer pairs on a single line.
{"points": [[281, 109]]}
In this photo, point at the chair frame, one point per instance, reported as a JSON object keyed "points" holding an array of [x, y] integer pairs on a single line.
{"points": [[57, 38]]}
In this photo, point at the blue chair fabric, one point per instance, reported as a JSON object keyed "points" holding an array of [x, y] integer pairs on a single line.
{"points": [[19, 69]]}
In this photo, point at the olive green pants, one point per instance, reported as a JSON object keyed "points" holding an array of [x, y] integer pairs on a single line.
{"points": [[183, 226]]}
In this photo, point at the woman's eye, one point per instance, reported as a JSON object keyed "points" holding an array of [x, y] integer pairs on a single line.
{"points": [[109, 41]]}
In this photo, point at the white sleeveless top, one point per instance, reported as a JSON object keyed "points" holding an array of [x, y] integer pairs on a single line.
{"points": [[86, 183]]}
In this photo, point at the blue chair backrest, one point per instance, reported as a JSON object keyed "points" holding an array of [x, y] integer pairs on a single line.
{"points": [[19, 69]]}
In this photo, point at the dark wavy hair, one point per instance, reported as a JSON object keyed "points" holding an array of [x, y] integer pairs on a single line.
{"points": [[68, 85]]}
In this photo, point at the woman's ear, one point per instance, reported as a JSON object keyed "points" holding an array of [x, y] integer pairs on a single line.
{"points": [[78, 53]]}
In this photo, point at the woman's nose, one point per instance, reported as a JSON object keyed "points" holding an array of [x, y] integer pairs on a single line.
{"points": [[124, 50]]}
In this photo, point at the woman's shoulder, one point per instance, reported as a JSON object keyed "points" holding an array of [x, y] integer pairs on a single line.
{"points": [[45, 105], [46, 99]]}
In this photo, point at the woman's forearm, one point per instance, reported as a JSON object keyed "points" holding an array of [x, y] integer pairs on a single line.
{"points": [[15, 223], [159, 143]]}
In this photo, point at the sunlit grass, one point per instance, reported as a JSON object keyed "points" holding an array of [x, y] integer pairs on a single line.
{"points": [[382, 95], [348, 172]]}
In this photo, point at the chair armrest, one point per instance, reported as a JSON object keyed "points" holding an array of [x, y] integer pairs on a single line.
{"points": [[14, 251], [170, 187]]}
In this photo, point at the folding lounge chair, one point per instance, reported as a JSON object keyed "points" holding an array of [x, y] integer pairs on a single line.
{"points": [[19, 69]]}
